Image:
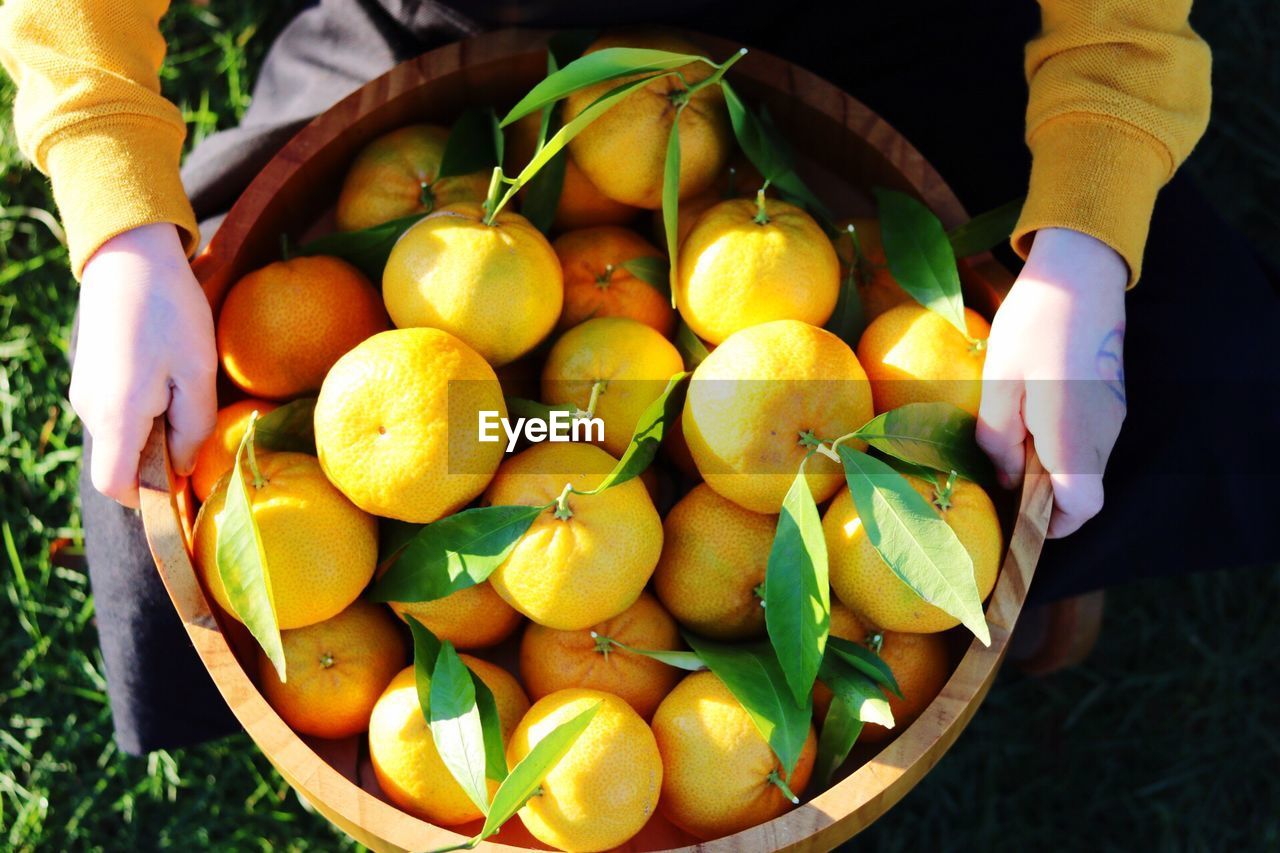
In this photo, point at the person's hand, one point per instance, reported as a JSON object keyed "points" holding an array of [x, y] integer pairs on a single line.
{"points": [[1054, 369], [145, 347]]}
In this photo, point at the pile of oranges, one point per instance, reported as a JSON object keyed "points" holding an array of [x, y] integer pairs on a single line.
{"points": [[469, 313]]}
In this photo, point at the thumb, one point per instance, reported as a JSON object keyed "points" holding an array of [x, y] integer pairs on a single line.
{"points": [[192, 412]]}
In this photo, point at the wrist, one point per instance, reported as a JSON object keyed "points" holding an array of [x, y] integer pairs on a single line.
{"points": [[1077, 262], [153, 245]]}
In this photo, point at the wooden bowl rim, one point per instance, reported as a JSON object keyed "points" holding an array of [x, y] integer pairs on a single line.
{"points": [[822, 821]]}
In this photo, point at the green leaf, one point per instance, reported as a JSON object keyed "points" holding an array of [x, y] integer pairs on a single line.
{"points": [[456, 727], [691, 347], [393, 535], [652, 271], [495, 751], [654, 421], [579, 122], [542, 197], [456, 552], [523, 780], [755, 678], [986, 230], [920, 255], [242, 561], [474, 145], [608, 64], [840, 731], [366, 249], [671, 203], [797, 593], [848, 319], [933, 435], [917, 545], [769, 153], [863, 696], [426, 650], [289, 428], [865, 661], [678, 659]]}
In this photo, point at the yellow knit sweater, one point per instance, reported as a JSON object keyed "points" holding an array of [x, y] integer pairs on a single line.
{"points": [[1119, 96]]}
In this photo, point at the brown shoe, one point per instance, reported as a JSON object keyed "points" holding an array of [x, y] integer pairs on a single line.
{"points": [[1054, 637]]}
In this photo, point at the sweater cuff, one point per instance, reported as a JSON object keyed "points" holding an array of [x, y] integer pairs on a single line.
{"points": [[1095, 175], [116, 173]]}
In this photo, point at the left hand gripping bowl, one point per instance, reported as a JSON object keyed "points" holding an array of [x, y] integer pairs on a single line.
{"points": [[846, 150]]}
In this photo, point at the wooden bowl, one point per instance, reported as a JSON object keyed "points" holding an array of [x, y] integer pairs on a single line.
{"points": [[846, 149]]}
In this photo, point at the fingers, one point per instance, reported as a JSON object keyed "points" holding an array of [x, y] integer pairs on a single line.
{"points": [[117, 447], [1075, 429], [1076, 499], [192, 411], [1001, 431]]}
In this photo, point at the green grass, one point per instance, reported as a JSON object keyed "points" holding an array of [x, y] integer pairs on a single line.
{"points": [[1169, 737]]}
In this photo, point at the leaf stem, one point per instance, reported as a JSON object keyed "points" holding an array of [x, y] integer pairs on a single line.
{"points": [[776, 778], [596, 390], [492, 204], [562, 511], [604, 645], [762, 213], [715, 76]]}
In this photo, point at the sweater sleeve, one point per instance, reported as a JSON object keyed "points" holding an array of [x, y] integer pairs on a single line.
{"points": [[1119, 95], [89, 114]]}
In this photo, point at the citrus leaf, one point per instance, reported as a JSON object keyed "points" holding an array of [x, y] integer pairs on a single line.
{"points": [[608, 64], [426, 650], [474, 145], [367, 249], [654, 421], [542, 195], [671, 203], [769, 153], [680, 660], [863, 696], [456, 727], [691, 347], [932, 435], [242, 560], [917, 545], [797, 593], [840, 731], [848, 319], [393, 535], [523, 780], [655, 272], [865, 661], [562, 137], [986, 230], [755, 678], [456, 552], [542, 198], [495, 751], [920, 255], [289, 428]]}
